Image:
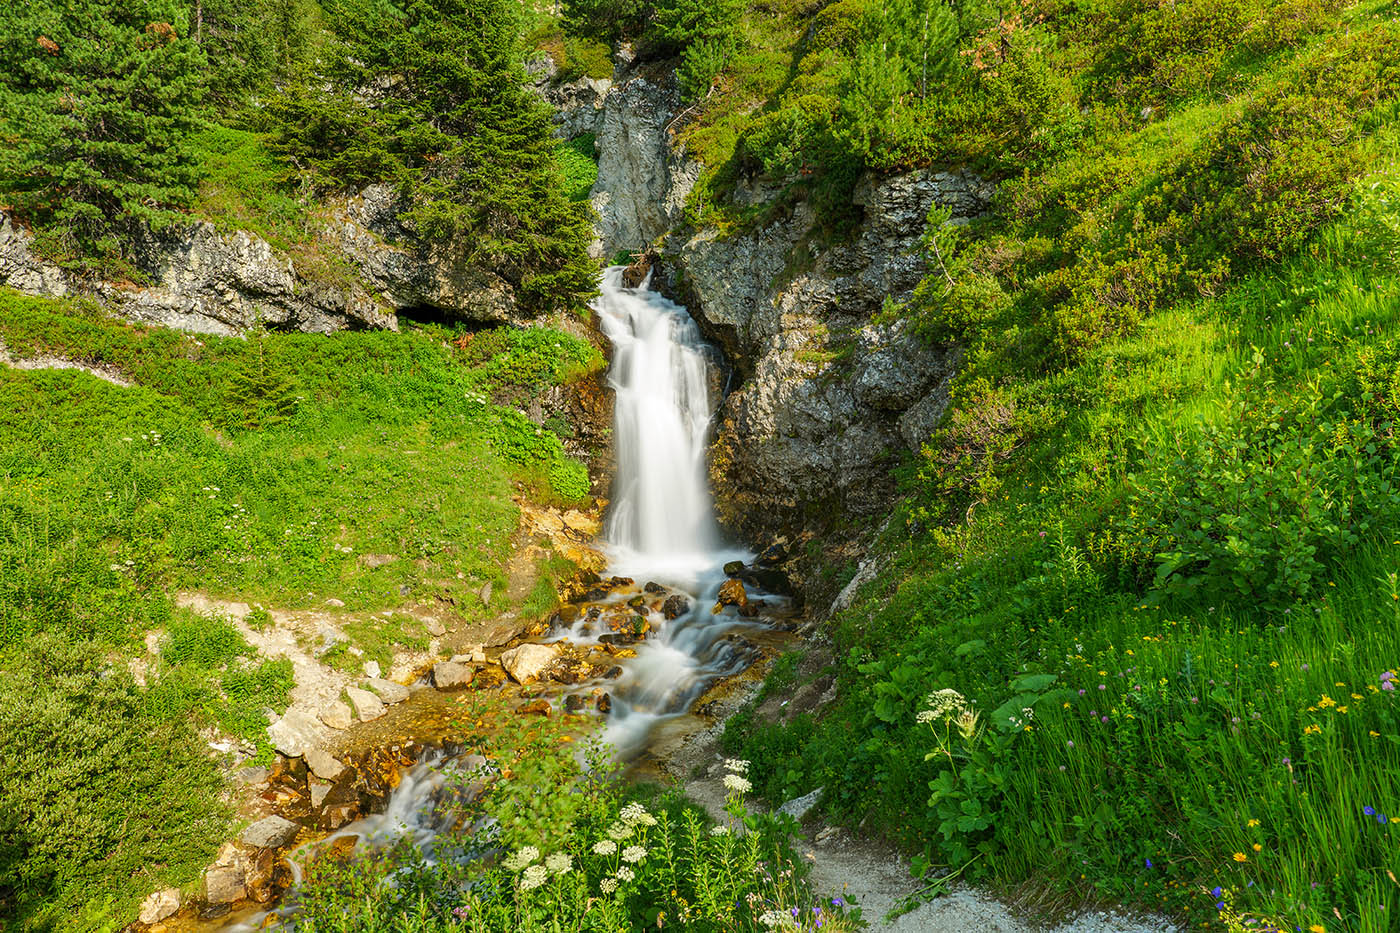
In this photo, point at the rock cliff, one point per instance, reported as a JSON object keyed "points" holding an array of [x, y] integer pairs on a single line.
{"points": [[826, 396]]}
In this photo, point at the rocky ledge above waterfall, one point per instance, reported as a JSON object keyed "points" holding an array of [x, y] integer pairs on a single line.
{"points": [[366, 268], [826, 398]]}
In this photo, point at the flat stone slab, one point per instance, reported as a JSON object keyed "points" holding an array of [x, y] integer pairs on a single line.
{"points": [[367, 706], [323, 764], [388, 691], [270, 832]]}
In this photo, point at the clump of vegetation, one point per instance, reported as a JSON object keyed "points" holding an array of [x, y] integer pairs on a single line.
{"points": [[590, 855]]}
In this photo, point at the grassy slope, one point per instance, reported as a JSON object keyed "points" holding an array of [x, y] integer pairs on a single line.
{"points": [[1185, 734], [255, 469]]}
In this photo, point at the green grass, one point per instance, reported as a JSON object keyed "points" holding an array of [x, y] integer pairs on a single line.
{"points": [[257, 470], [1153, 547]]}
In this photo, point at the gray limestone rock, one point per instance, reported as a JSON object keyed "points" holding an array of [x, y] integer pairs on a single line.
{"points": [[367, 706], [271, 832]]}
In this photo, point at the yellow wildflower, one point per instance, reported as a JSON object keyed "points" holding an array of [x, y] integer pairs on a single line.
{"points": [[1241, 857], [1258, 847], [1341, 709], [1326, 701], [1273, 664], [1317, 928], [1252, 823], [1375, 734]]}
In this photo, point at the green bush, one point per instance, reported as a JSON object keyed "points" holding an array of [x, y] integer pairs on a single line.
{"points": [[569, 479], [1263, 504], [87, 765]]}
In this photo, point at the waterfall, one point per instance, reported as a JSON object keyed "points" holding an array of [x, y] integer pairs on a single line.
{"points": [[661, 506]]}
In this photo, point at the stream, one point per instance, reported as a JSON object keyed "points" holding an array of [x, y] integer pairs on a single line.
{"points": [[661, 529]]}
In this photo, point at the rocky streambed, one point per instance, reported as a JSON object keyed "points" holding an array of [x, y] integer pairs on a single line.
{"points": [[381, 776]]}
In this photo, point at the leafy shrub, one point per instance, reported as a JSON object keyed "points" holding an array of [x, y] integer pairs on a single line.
{"points": [[568, 479], [85, 763], [1262, 502]]}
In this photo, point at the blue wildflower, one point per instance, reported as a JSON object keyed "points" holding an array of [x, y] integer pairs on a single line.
{"points": [[1369, 811], [838, 902], [1215, 892]]}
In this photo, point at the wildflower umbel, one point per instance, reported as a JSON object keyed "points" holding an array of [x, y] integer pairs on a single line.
{"points": [[534, 876], [633, 854], [560, 863], [521, 858], [942, 704], [737, 784], [634, 814], [604, 847]]}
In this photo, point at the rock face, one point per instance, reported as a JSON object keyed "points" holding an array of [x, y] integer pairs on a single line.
{"points": [[577, 104], [642, 179], [828, 397], [204, 281]]}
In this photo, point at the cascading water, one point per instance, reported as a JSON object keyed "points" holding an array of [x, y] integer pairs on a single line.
{"points": [[661, 530], [662, 527]]}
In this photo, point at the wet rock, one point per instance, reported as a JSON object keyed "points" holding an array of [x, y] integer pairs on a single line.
{"points": [[637, 602], [572, 671], [734, 568], [367, 706], [161, 905], [775, 553], [654, 588], [324, 765], [613, 673], [526, 663], [535, 708], [488, 678], [567, 615], [574, 703], [319, 790], [605, 703], [388, 691], [337, 715], [769, 579], [613, 639], [732, 593], [675, 606], [224, 886], [251, 775], [448, 674], [271, 832]]}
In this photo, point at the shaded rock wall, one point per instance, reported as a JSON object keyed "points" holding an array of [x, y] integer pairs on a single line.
{"points": [[826, 398]]}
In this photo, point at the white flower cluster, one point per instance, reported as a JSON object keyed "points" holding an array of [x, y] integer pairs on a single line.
{"points": [[634, 814], [942, 704], [604, 847], [521, 858], [734, 781], [608, 885], [626, 874], [560, 863], [534, 876], [719, 830], [777, 920], [633, 854]]}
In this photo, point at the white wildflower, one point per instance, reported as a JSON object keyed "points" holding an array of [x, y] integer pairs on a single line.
{"points": [[604, 847], [619, 831], [626, 874], [634, 814], [608, 885], [737, 784], [521, 858], [776, 920], [942, 704], [720, 830], [533, 877], [736, 765], [633, 854], [560, 863]]}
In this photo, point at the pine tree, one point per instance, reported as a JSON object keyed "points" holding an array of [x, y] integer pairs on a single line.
{"points": [[432, 95], [97, 98]]}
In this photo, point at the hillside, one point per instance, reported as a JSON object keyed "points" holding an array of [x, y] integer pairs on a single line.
{"points": [[1056, 392]]}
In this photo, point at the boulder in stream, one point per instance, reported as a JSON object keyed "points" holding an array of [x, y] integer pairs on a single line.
{"points": [[526, 663], [675, 606], [271, 832], [450, 674], [388, 691], [367, 706], [162, 905]]}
